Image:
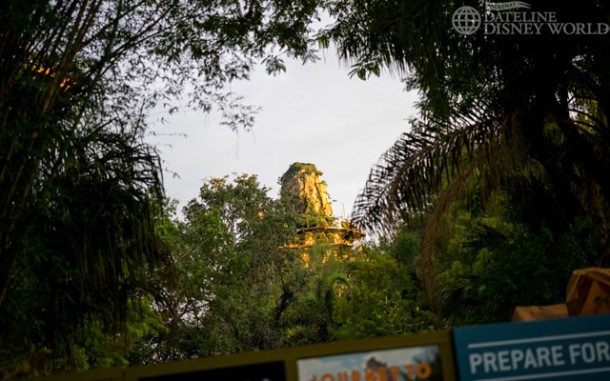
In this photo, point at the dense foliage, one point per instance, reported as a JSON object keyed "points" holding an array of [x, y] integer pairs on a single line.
{"points": [[79, 189], [497, 191], [242, 287], [520, 117]]}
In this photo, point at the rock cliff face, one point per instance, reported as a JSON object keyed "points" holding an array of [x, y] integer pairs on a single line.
{"points": [[302, 185]]}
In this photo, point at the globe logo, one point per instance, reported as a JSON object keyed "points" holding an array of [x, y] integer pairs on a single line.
{"points": [[466, 20]]}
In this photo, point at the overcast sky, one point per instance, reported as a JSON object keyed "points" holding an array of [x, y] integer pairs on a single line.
{"points": [[313, 113]]}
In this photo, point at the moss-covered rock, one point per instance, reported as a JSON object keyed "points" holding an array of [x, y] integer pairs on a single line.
{"points": [[303, 187]]}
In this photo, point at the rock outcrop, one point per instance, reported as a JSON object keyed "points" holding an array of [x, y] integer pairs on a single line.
{"points": [[303, 187]]}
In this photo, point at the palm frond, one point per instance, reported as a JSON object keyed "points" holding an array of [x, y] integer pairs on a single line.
{"points": [[429, 169], [433, 224], [420, 163]]}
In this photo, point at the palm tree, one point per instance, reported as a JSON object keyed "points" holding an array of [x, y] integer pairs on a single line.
{"points": [[515, 113]]}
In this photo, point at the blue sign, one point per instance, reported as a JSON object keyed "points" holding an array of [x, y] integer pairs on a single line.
{"points": [[575, 348]]}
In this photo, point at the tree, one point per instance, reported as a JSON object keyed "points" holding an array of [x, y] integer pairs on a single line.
{"points": [[96, 202], [234, 273], [78, 187], [319, 282], [515, 114], [242, 282], [493, 262], [384, 296]]}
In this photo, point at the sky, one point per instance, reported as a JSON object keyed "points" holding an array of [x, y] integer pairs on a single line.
{"points": [[313, 113]]}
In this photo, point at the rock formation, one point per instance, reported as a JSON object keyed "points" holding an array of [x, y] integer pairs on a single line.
{"points": [[303, 187]]}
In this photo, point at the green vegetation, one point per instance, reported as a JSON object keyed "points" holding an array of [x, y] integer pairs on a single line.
{"points": [[384, 296], [241, 288], [297, 168], [80, 192], [507, 162], [496, 192]]}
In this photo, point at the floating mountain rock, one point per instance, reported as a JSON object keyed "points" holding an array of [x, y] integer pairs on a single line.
{"points": [[303, 186]]}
